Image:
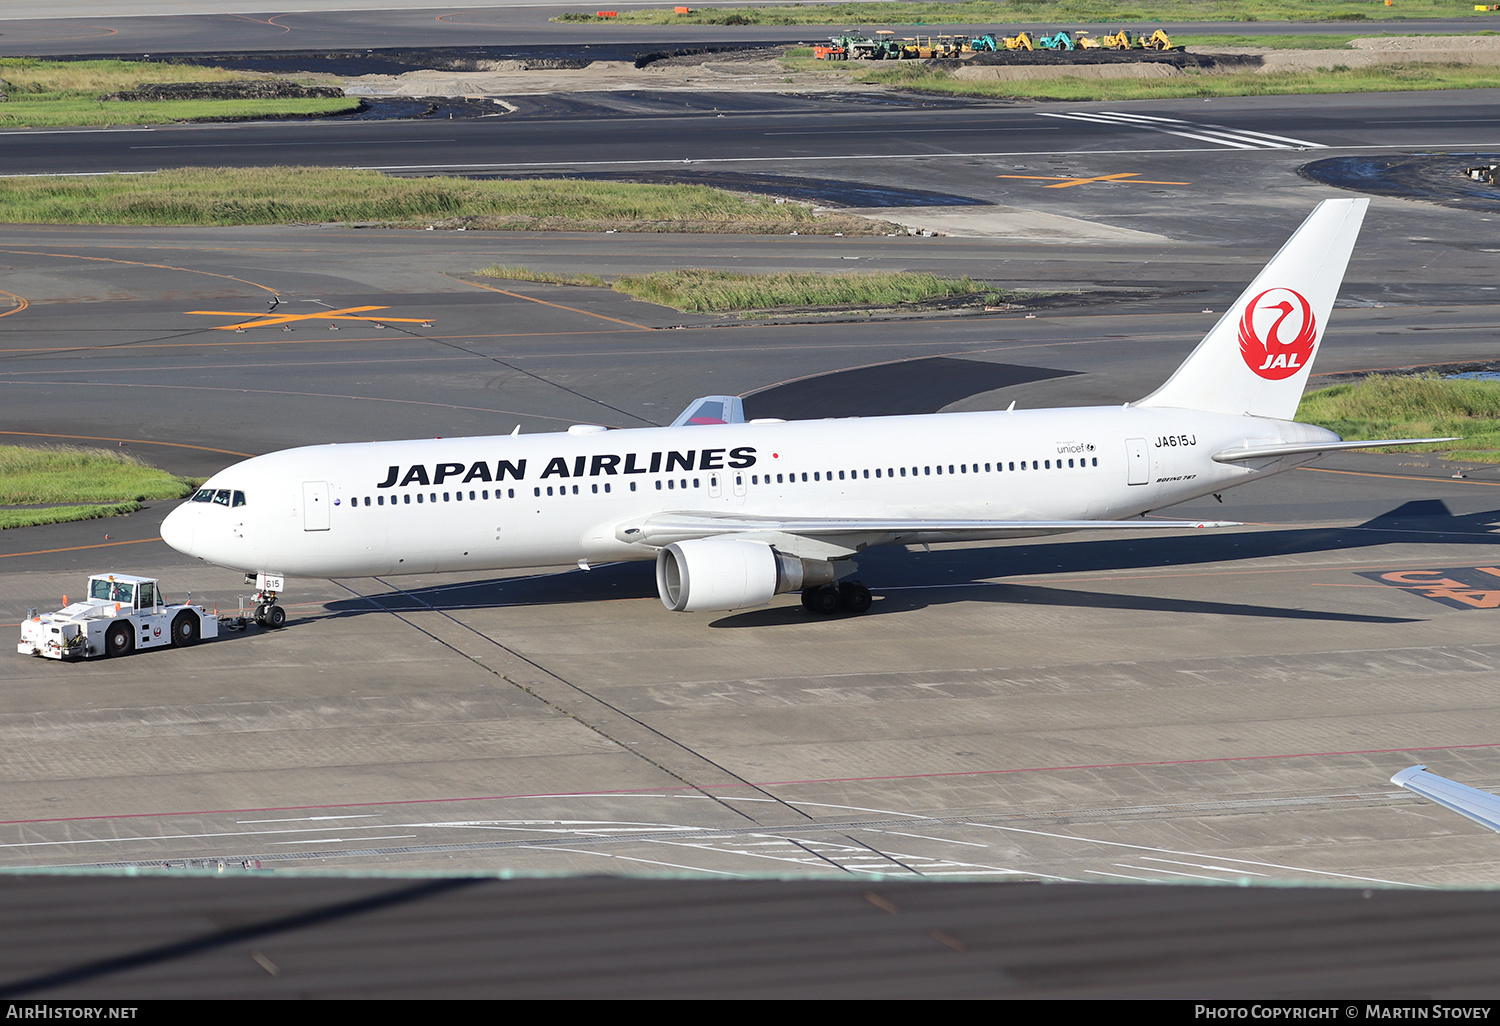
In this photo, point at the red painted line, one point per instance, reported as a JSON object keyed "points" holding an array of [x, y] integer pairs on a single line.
{"points": [[754, 784]]}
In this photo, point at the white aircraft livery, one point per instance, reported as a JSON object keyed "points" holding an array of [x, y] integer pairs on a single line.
{"points": [[735, 511]]}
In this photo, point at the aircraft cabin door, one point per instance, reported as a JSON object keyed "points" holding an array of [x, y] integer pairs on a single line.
{"points": [[1138, 461], [315, 505]]}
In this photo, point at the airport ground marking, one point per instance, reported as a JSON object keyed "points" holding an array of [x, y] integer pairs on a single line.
{"points": [[263, 320], [78, 548], [658, 792], [17, 306], [1124, 178], [557, 306], [132, 441], [140, 263], [1399, 477]]}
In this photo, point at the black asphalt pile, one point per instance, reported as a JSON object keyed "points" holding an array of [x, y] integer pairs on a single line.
{"points": [[1433, 177], [236, 90]]}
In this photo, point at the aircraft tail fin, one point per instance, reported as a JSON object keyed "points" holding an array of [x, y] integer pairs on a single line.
{"points": [[1256, 360]]}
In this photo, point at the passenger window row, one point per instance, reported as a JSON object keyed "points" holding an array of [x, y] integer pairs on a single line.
{"points": [[928, 471]]}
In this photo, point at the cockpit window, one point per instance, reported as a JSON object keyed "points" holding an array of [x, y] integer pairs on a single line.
{"points": [[221, 497], [203, 495], [239, 499]]}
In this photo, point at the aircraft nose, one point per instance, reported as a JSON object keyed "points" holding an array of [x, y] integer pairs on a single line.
{"points": [[177, 529]]}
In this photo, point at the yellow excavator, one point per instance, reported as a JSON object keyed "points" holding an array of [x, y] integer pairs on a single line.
{"points": [[1021, 41]]}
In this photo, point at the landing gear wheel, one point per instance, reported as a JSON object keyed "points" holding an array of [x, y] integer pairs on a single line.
{"points": [[275, 617], [119, 638], [185, 630], [259, 616], [854, 597], [824, 600]]}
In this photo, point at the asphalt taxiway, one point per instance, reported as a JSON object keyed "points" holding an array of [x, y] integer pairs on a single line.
{"points": [[1216, 706]]}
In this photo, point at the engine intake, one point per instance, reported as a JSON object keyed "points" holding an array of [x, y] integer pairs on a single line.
{"points": [[729, 573]]}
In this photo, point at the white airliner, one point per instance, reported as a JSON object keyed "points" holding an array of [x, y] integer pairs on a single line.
{"points": [[735, 512]]}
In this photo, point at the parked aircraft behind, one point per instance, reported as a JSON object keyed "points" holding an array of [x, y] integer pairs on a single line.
{"points": [[735, 511], [1480, 806]]}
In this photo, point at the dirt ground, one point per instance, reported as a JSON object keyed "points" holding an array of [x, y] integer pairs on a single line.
{"points": [[759, 70]]}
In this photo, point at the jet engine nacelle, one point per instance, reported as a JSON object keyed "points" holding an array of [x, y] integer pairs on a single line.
{"points": [[728, 573]]}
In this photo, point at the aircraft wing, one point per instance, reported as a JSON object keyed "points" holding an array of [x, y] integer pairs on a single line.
{"points": [[1260, 452], [1480, 806], [712, 409], [666, 528]]}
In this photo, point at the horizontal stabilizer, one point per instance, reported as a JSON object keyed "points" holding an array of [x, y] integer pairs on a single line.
{"points": [[1480, 806], [1264, 452], [666, 528], [712, 409]]}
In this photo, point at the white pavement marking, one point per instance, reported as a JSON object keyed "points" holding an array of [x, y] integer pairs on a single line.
{"points": [[1234, 138], [1174, 851]]}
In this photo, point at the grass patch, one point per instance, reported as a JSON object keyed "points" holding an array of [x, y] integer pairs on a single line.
{"points": [[1377, 78], [984, 12], [62, 514], [1266, 42], [695, 290], [79, 111], [236, 196], [55, 474], [1413, 406], [43, 94], [551, 277]]}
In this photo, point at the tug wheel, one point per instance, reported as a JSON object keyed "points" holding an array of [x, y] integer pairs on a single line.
{"points": [[185, 630], [119, 638]]}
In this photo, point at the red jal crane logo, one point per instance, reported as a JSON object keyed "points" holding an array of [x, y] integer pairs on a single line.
{"points": [[1270, 353]]}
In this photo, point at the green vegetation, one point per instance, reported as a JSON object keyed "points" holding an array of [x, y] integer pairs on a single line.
{"points": [[40, 94], [550, 277], [1413, 406], [1374, 79], [1268, 42], [234, 196], [695, 290], [1063, 12], [110, 481], [62, 514]]}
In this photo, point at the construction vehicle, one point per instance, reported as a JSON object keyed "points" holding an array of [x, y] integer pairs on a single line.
{"points": [[1158, 40], [1121, 40], [1057, 41], [1083, 41], [1020, 41], [121, 614], [984, 44]]}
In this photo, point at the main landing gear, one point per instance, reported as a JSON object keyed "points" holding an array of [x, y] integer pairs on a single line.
{"points": [[849, 596]]}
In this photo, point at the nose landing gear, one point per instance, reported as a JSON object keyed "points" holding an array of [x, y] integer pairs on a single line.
{"points": [[267, 612]]}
